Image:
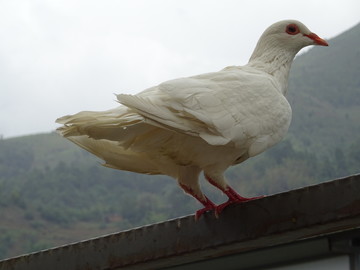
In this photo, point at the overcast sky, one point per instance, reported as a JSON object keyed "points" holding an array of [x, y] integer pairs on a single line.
{"points": [[61, 57]]}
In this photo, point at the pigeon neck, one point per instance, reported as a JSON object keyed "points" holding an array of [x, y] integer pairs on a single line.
{"points": [[275, 61]]}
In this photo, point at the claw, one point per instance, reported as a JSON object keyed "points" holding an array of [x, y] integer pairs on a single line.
{"points": [[201, 211], [235, 199], [222, 206], [208, 205]]}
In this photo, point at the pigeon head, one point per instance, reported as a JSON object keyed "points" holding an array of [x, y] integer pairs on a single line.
{"points": [[285, 37], [291, 33]]}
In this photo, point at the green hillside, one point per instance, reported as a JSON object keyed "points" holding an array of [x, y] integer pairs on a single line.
{"points": [[53, 193], [325, 94]]}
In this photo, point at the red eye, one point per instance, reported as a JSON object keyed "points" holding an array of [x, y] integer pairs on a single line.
{"points": [[292, 29]]}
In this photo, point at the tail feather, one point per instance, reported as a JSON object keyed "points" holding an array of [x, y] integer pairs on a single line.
{"points": [[99, 125], [117, 157], [121, 138]]}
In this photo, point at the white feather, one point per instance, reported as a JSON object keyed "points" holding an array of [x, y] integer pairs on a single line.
{"points": [[206, 122]]}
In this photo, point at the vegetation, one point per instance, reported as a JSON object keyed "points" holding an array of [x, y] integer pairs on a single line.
{"points": [[52, 192]]}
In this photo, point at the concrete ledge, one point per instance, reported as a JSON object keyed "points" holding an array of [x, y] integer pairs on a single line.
{"points": [[291, 217]]}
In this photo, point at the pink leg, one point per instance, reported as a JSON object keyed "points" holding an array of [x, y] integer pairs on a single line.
{"points": [[208, 205], [234, 197]]}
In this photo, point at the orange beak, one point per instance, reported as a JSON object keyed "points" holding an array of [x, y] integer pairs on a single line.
{"points": [[318, 40]]}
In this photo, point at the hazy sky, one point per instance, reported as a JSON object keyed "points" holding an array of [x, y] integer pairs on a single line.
{"points": [[61, 57]]}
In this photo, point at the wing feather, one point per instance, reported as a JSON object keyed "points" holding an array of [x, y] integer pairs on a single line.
{"points": [[219, 107]]}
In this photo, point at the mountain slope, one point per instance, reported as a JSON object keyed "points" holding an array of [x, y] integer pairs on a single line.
{"points": [[325, 94]]}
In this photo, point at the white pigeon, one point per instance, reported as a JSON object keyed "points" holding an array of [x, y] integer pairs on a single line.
{"points": [[207, 122]]}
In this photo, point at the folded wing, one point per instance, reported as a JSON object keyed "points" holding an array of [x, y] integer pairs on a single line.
{"points": [[220, 107]]}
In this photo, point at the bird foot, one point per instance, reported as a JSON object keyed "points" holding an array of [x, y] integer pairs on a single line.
{"points": [[208, 205], [237, 200], [219, 208], [201, 211]]}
